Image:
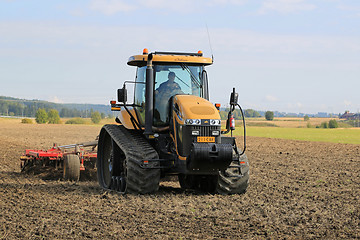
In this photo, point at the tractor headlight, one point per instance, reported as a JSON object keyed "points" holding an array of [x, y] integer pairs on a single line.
{"points": [[195, 132], [192, 121], [215, 133], [216, 122]]}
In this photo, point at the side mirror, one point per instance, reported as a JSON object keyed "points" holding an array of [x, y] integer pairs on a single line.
{"points": [[234, 97], [122, 95]]}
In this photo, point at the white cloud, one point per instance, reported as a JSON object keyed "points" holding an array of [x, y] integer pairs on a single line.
{"points": [[69, 50], [110, 7], [184, 6], [55, 99], [294, 106], [347, 103], [285, 6], [226, 2], [271, 98], [355, 10]]}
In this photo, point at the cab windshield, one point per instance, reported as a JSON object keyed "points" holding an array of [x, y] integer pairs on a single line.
{"points": [[169, 81]]}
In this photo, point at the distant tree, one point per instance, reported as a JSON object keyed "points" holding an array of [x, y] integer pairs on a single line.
{"points": [[251, 113], [269, 115], [256, 114], [64, 112], [306, 118], [324, 125], [4, 108], [53, 116], [333, 124], [41, 116], [76, 121], [223, 115], [27, 121], [95, 117], [102, 115]]}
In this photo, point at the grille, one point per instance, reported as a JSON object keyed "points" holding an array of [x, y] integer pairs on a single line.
{"points": [[205, 131]]}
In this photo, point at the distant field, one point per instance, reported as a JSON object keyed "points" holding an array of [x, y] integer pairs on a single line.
{"points": [[62, 120], [286, 122], [284, 128], [338, 135]]}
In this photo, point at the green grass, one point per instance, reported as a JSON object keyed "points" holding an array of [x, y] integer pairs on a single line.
{"points": [[337, 135], [76, 121], [257, 124], [27, 121]]}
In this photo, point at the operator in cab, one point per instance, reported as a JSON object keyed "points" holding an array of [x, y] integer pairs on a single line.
{"points": [[163, 94]]}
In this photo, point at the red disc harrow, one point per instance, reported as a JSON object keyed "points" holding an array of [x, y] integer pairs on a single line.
{"points": [[70, 157]]}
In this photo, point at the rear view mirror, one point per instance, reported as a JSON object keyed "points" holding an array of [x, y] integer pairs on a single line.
{"points": [[122, 95], [234, 97]]}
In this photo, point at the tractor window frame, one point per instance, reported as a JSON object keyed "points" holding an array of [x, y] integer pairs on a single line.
{"points": [[186, 69], [139, 94], [187, 77]]}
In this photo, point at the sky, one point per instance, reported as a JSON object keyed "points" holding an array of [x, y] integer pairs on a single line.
{"points": [[280, 55]]}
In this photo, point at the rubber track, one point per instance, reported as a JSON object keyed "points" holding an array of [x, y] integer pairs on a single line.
{"points": [[136, 148]]}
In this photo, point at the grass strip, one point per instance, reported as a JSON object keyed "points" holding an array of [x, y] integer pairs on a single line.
{"points": [[337, 135]]}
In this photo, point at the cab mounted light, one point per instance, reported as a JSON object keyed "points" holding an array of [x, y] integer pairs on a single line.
{"points": [[112, 102], [218, 105], [200, 52], [145, 51]]}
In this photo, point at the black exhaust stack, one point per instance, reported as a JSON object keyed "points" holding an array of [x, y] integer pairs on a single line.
{"points": [[149, 96]]}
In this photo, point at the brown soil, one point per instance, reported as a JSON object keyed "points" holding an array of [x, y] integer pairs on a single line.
{"points": [[298, 190]]}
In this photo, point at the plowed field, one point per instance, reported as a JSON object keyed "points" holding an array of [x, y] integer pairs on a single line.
{"points": [[298, 190]]}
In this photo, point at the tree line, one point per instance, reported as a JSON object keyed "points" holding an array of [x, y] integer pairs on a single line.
{"points": [[52, 117], [248, 113], [28, 108]]}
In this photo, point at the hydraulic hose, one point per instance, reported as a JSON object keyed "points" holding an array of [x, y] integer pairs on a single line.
{"points": [[243, 118]]}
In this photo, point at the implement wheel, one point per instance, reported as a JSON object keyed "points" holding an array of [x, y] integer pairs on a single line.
{"points": [[71, 167]]}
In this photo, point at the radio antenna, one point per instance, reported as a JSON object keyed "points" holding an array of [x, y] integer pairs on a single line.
{"points": [[212, 55]]}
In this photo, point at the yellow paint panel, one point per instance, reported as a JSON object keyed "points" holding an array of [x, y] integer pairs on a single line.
{"points": [[140, 60], [125, 118], [193, 107]]}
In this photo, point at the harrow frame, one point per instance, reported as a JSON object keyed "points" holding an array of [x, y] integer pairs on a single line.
{"points": [[55, 156]]}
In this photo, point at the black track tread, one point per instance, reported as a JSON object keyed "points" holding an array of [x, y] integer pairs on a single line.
{"points": [[233, 185], [71, 167], [136, 148]]}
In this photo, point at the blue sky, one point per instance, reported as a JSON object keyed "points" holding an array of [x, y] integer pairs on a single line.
{"points": [[283, 55]]}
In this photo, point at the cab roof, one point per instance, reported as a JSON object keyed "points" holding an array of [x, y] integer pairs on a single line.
{"points": [[170, 57]]}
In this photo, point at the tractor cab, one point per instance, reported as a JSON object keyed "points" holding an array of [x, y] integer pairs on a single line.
{"points": [[172, 74], [170, 80]]}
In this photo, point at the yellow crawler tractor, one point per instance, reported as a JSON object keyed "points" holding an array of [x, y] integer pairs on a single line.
{"points": [[170, 128]]}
